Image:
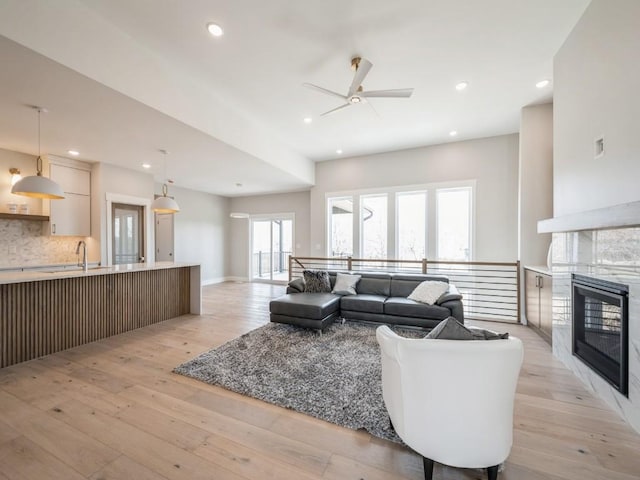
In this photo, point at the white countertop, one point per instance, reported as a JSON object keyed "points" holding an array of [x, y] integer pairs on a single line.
{"points": [[539, 268], [61, 272]]}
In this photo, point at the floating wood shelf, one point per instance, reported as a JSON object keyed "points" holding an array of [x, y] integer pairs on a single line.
{"points": [[18, 216]]}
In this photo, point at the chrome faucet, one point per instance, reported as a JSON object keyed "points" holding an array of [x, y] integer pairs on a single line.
{"points": [[84, 264]]}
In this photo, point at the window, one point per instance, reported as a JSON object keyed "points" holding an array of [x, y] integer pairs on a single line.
{"points": [[454, 223], [412, 229], [373, 212], [340, 226], [432, 221]]}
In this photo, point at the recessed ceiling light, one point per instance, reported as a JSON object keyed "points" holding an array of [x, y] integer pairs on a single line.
{"points": [[453, 133], [75, 153], [215, 29], [307, 119], [339, 151], [462, 85], [542, 83], [146, 165]]}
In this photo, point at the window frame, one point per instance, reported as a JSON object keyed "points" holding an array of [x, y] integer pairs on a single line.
{"points": [[392, 215]]}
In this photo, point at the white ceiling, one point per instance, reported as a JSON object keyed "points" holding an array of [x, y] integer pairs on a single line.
{"points": [[230, 109]]}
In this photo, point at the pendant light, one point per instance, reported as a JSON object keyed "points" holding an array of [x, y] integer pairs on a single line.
{"points": [[165, 204], [36, 185]]}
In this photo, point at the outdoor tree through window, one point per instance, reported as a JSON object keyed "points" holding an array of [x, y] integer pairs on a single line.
{"points": [[454, 223], [412, 229], [374, 225], [341, 226]]}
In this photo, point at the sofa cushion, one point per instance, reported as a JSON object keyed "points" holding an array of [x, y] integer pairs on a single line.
{"points": [[363, 303], [410, 308], [345, 284], [308, 305], [316, 281], [374, 284], [428, 292], [403, 284], [297, 284]]}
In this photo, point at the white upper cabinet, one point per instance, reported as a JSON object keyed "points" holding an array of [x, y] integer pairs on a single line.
{"points": [[72, 215], [72, 180]]}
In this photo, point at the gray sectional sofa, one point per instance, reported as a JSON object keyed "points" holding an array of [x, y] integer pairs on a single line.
{"points": [[380, 297]]}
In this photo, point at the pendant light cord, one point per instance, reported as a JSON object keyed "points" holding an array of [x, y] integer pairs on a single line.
{"points": [[39, 159]]}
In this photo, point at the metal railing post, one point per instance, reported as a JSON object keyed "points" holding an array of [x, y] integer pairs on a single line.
{"points": [[518, 296]]}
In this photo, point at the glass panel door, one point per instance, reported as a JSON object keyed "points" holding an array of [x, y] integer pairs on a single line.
{"points": [[128, 234], [271, 246]]}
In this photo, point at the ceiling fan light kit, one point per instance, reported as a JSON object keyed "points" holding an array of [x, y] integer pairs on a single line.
{"points": [[356, 93]]}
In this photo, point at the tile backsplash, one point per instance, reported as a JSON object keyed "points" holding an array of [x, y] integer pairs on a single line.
{"points": [[25, 243]]}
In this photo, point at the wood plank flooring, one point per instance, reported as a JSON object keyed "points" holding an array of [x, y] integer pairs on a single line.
{"points": [[113, 410]]}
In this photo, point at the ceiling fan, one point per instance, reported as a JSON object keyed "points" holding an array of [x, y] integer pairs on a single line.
{"points": [[356, 94]]}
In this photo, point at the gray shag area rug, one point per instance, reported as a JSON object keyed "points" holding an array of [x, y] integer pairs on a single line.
{"points": [[335, 376]]}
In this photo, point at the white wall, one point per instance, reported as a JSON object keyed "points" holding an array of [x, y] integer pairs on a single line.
{"points": [[27, 166], [109, 179], [535, 182], [201, 231], [296, 203], [596, 73], [492, 162]]}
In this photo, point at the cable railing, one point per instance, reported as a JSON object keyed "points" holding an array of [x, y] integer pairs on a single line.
{"points": [[489, 289], [269, 263]]}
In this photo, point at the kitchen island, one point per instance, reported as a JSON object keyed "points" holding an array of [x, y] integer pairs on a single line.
{"points": [[45, 311]]}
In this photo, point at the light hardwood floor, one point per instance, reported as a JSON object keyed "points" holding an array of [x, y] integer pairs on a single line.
{"points": [[113, 410]]}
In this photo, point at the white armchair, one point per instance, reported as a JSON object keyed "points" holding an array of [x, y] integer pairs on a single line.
{"points": [[452, 400]]}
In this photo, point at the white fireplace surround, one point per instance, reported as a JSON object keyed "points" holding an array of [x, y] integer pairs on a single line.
{"points": [[605, 244]]}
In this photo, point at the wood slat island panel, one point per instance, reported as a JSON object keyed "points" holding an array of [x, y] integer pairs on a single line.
{"points": [[42, 317]]}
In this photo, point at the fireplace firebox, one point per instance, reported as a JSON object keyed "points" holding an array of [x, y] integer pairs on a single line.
{"points": [[600, 328]]}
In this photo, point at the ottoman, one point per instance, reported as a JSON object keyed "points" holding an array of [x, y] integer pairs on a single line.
{"points": [[310, 310]]}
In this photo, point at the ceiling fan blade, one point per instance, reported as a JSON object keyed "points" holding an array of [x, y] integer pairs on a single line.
{"points": [[324, 90], [336, 109], [397, 93], [363, 69]]}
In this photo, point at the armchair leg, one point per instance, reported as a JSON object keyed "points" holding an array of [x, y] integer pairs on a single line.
{"points": [[492, 472], [428, 468]]}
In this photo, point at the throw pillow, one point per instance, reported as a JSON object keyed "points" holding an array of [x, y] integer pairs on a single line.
{"points": [[428, 292], [316, 281], [451, 329], [483, 334], [346, 284]]}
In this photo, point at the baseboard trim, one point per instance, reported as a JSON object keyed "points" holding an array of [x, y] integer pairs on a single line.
{"points": [[213, 281]]}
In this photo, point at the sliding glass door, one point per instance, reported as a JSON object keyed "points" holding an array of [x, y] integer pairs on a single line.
{"points": [[271, 246]]}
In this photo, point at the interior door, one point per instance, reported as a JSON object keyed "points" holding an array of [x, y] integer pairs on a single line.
{"points": [[164, 237], [128, 233]]}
